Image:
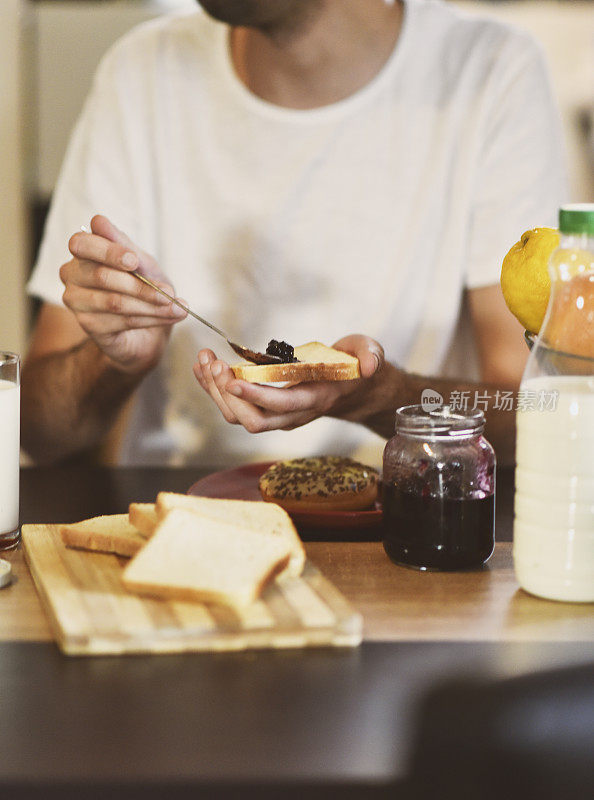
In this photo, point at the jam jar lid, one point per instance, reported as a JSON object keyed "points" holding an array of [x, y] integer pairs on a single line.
{"points": [[440, 421]]}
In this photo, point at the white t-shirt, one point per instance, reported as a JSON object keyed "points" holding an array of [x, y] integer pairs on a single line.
{"points": [[369, 215]]}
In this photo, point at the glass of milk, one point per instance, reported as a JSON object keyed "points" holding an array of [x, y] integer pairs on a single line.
{"points": [[10, 395]]}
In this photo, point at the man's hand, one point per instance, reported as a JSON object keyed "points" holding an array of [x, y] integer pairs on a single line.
{"points": [[128, 320], [263, 408]]}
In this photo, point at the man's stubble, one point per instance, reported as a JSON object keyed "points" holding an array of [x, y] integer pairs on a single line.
{"points": [[267, 15]]}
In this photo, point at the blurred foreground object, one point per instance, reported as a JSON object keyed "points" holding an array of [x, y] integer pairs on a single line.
{"points": [[530, 736]]}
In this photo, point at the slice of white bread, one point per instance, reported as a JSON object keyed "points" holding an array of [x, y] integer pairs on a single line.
{"points": [[198, 558], [111, 533], [316, 362], [144, 517], [254, 515]]}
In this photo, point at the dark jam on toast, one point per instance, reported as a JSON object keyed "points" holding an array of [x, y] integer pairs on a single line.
{"points": [[281, 350]]}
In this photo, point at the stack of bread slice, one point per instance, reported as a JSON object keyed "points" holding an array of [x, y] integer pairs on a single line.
{"points": [[111, 533], [196, 548]]}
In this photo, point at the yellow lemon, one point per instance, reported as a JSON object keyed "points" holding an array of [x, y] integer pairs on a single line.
{"points": [[525, 280]]}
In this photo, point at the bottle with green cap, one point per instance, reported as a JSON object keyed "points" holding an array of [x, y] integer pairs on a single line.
{"points": [[553, 545]]}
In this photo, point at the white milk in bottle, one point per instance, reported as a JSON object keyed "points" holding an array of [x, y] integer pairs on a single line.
{"points": [[9, 456], [554, 506], [554, 503]]}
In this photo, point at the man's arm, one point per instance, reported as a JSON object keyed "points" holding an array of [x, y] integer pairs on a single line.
{"points": [[70, 392], [502, 358], [85, 360]]}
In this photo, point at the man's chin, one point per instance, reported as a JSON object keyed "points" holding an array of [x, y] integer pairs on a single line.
{"points": [[254, 13]]}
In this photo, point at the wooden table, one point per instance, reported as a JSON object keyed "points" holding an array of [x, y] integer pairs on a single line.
{"points": [[398, 604], [204, 725]]}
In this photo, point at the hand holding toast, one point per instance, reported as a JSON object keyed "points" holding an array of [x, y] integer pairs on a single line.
{"points": [[129, 321], [262, 408]]}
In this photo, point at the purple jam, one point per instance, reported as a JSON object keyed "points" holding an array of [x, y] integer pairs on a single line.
{"points": [[441, 533]]}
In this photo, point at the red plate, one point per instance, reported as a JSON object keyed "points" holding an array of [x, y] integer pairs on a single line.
{"points": [[241, 483]]}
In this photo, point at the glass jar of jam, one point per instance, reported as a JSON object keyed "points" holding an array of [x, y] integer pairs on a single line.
{"points": [[439, 490]]}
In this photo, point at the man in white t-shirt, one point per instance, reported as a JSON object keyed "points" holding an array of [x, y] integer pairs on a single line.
{"points": [[307, 170]]}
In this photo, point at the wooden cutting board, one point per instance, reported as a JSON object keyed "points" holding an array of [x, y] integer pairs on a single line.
{"points": [[92, 614]]}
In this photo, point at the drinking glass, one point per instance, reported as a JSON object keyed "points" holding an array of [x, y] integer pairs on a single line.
{"points": [[10, 395]]}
